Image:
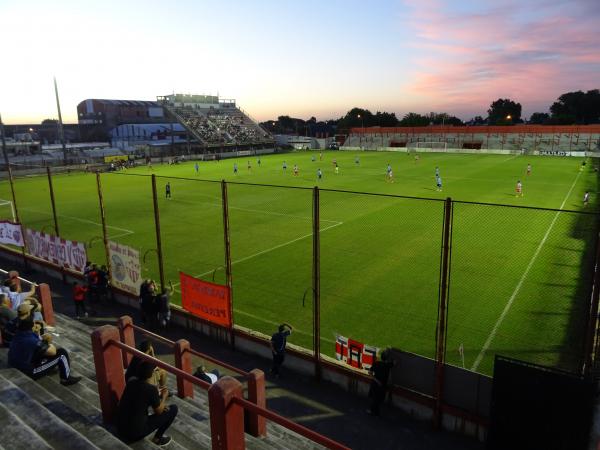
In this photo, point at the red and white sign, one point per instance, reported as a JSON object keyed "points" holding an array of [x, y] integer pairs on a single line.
{"points": [[62, 252], [354, 353], [10, 233], [208, 301]]}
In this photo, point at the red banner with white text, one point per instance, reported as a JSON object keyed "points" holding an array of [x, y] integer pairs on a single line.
{"points": [[208, 301]]}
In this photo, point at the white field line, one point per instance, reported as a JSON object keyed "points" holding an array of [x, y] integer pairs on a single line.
{"points": [[296, 330], [272, 213], [125, 231], [262, 252], [518, 288]]}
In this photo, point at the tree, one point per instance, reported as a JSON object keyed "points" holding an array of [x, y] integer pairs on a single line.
{"points": [[577, 107], [357, 117], [385, 119], [539, 118], [414, 120], [504, 112]]}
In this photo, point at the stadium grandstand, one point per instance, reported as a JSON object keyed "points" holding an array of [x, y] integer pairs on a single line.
{"points": [[529, 139], [215, 122]]}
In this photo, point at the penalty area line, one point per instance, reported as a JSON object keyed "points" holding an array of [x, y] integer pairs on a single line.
{"points": [[267, 251], [520, 283]]}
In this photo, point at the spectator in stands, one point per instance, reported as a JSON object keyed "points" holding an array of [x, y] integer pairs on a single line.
{"points": [[133, 421], [103, 283], [210, 377], [79, 292], [16, 297], [35, 355], [380, 370], [147, 302], [162, 304], [160, 375], [278, 343], [92, 284], [7, 314]]}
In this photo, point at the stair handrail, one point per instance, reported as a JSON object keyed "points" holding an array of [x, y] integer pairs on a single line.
{"points": [[227, 422], [126, 321]]}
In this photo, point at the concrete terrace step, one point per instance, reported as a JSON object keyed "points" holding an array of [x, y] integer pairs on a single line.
{"points": [[22, 437], [47, 425], [66, 404]]}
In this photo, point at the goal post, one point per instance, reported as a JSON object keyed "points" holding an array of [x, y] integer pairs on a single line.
{"points": [[7, 210], [413, 147]]}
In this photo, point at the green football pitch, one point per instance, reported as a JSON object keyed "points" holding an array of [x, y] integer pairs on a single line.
{"points": [[520, 278]]}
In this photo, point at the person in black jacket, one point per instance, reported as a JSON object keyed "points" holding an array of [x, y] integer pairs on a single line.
{"points": [[133, 421], [380, 370]]}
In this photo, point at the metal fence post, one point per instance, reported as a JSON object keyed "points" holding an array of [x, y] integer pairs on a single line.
{"points": [[103, 219], [53, 203], [228, 280], [158, 240], [442, 320], [592, 329], [316, 284]]}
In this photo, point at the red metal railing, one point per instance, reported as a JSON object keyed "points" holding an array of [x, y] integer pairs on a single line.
{"points": [[124, 323], [226, 404]]}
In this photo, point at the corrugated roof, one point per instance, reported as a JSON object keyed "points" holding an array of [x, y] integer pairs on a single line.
{"points": [[124, 102]]}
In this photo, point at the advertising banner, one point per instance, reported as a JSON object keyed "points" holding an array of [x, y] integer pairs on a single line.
{"points": [[10, 233], [114, 158], [208, 301], [354, 353], [62, 252], [125, 267]]}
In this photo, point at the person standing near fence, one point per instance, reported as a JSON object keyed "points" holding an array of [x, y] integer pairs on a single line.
{"points": [[380, 370], [168, 190], [79, 300], [278, 343]]}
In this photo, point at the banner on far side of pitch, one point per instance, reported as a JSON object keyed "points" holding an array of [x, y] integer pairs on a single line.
{"points": [[209, 301], [354, 353]]}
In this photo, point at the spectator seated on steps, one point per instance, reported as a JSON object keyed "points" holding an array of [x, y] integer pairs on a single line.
{"points": [[133, 421], [160, 375], [210, 377], [35, 355]]}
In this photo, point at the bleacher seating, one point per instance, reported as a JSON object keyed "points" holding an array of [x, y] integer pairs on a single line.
{"points": [[225, 126]]}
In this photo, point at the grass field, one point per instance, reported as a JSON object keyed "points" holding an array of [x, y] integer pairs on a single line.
{"points": [[520, 278]]}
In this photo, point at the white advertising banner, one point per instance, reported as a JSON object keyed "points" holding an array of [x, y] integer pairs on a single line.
{"points": [[62, 252], [10, 233], [125, 268]]}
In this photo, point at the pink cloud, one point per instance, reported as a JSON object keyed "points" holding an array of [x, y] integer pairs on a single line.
{"points": [[530, 53]]}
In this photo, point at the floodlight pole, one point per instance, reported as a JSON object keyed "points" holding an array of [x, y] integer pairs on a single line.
{"points": [[316, 284], [61, 133], [158, 240], [12, 190], [227, 242], [441, 330], [103, 219], [53, 203]]}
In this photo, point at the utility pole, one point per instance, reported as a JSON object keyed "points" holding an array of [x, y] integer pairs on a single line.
{"points": [[61, 133]]}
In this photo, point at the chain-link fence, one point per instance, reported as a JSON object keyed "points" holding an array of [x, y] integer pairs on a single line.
{"points": [[271, 258], [380, 270], [521, 282], [520, 278]]}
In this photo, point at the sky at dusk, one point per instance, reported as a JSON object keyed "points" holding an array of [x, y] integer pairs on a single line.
{"points": [[298, 58]]}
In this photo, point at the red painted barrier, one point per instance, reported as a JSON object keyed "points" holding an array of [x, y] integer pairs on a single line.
{"points": [[257, 425], [110, 374], [125, 325], [183, 361], [45, 297], [226, 417]]}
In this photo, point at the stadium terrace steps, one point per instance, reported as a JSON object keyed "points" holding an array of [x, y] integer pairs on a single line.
{"points": [[44, 414]]}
